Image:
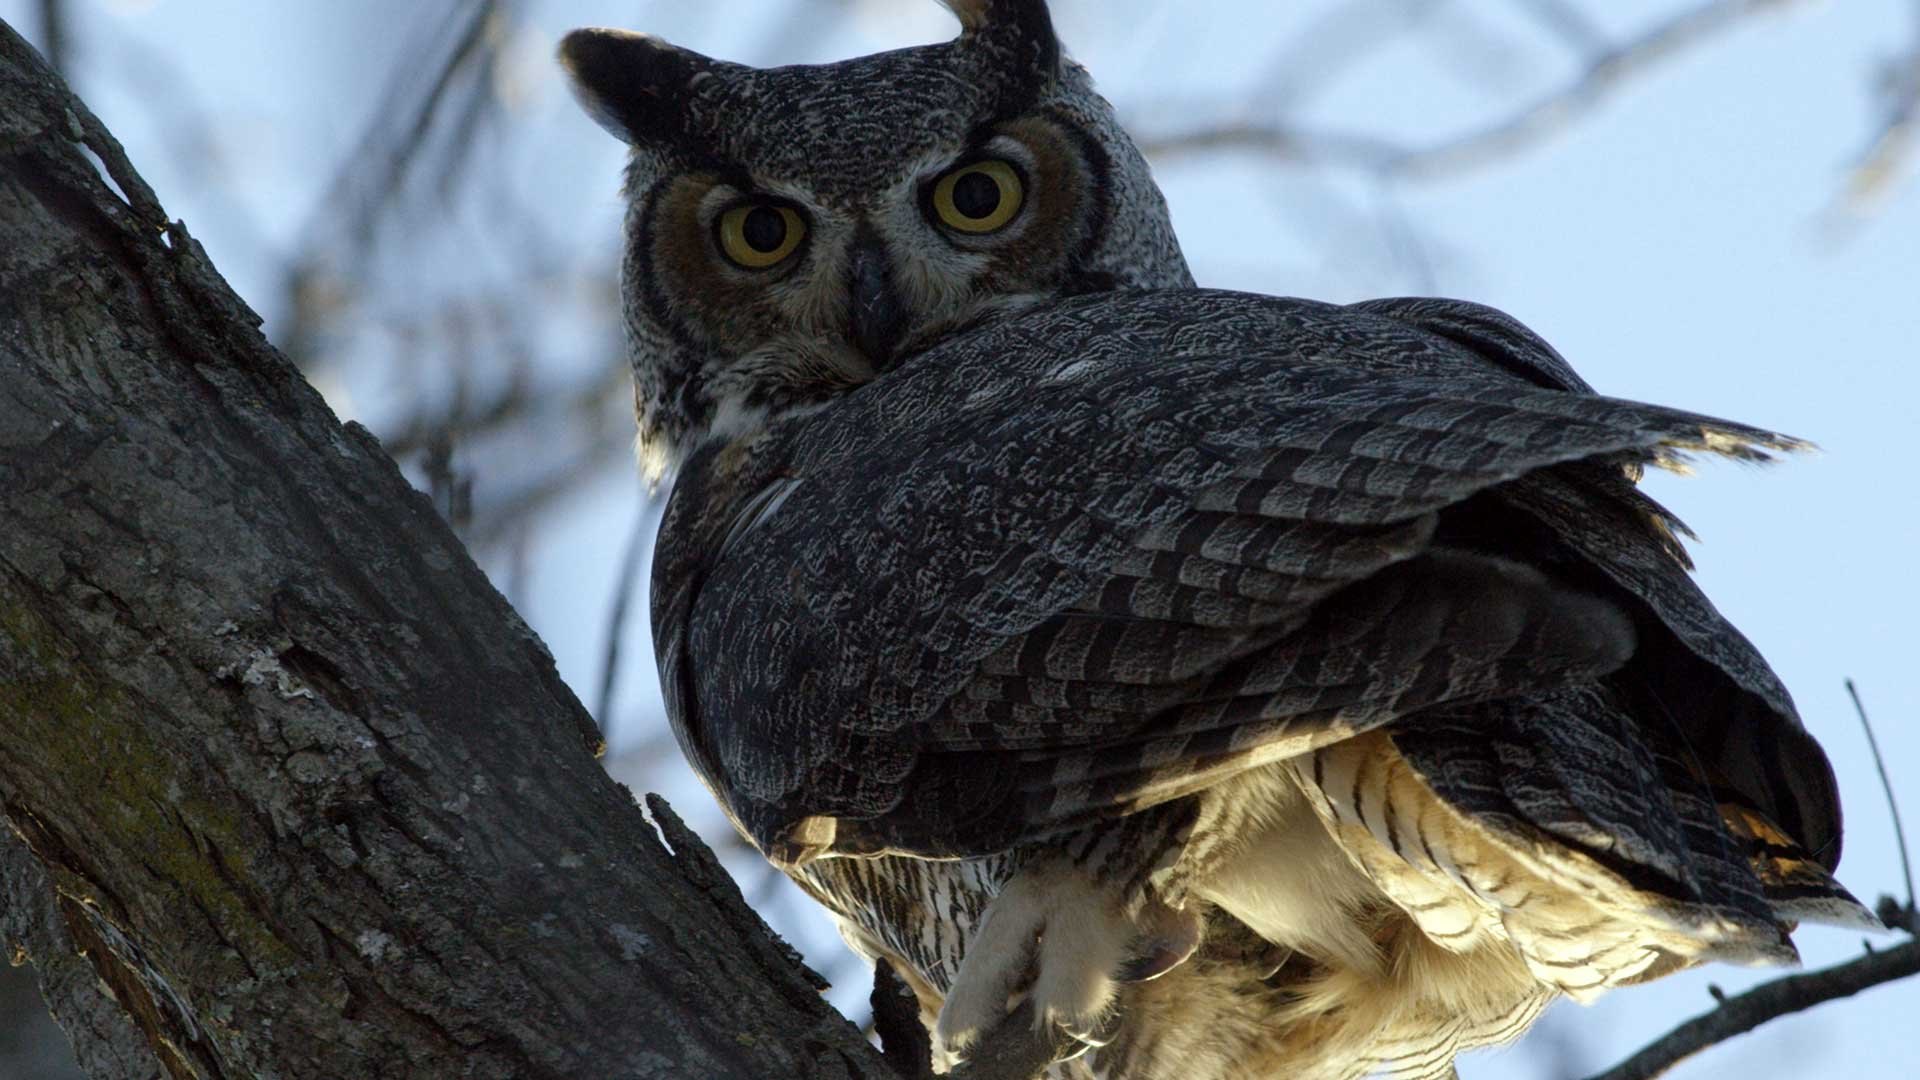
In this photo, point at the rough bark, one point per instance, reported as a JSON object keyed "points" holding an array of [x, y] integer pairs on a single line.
{"points": [[284, 774], [104, 1039]]}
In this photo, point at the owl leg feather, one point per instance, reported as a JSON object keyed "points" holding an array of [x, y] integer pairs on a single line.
{"points": [[1052, 933], [1072, 925]]}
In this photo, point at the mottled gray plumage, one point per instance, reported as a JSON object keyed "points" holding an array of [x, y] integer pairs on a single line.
{"points": [[1259, 685]]}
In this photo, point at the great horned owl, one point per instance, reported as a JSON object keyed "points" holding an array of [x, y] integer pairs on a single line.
{"points": [[1251, 686]]}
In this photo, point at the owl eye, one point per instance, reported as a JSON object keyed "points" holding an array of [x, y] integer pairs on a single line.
{"points": [[759, 235], [978, 198]]}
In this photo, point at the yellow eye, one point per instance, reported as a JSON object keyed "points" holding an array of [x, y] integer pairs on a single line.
{"points": [[759, 235], [978, 198]]}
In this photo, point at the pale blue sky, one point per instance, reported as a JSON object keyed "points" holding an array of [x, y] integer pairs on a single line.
{"points": [[1671, 245]]}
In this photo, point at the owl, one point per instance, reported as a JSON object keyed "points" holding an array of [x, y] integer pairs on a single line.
{"points": [[1240, 686]]}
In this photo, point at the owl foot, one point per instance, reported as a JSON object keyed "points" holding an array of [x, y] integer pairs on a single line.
{"points": [[1060, 940]]}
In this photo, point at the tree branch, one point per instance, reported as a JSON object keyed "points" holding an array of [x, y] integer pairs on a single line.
{"points": [[1772, 1000], [275, 757], [1606, 72], [1884, 158], [1893, 804]]}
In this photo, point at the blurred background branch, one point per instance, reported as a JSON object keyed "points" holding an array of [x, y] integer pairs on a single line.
{"points": [[1888, 154], [1604, 68], [52, 39]]}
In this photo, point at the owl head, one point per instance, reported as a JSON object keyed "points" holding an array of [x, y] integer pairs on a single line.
{"points": [[795, 232]]}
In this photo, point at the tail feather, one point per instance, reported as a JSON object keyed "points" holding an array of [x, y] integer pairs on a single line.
{"points": [[1797, 885]]}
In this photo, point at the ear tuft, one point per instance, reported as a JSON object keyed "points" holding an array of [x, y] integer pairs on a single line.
{"points": [[634, 85], [971, 13], [1020, 31]]}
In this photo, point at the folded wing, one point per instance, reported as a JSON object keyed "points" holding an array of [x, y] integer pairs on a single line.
{"points": [[1105, 553]]}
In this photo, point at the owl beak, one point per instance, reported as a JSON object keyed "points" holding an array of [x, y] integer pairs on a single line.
{"points": [[878, 318]]}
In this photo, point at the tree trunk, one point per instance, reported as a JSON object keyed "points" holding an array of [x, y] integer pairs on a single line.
{"points": [[285, 776]]}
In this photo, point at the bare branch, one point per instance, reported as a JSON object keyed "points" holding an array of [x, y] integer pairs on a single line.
{"points": [[1887, 151], [1565, 19], [631, 564], [1337, 38], [1548, 115], [53, 34], [437, 99], [395, 141], [1795, 993], [1886, 785]]}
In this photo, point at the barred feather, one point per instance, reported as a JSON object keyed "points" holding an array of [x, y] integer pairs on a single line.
{"points": [[1329, 573]]}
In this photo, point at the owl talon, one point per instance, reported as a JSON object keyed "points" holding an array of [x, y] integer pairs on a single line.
{"points": [[1095, 1037], [1066, 942], [1169, 937]]}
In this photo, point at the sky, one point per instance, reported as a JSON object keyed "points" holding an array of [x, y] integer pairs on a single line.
{"points": [[1677, 244]]}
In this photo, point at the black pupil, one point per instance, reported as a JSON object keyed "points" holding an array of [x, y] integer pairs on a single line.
{"points": [[976, 195], [764, 230]]}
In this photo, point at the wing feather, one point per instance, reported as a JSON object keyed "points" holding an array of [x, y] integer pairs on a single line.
{"points": [[1214, 545]]}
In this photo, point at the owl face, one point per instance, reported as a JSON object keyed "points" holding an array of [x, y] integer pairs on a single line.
{"points": [[795, 232]]}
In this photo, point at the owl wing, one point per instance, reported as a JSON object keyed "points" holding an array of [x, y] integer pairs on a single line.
{"points": [[1106, 553]]}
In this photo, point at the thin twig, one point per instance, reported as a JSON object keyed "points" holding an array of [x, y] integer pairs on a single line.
{"points": [[1569, 23], [53, 36], [1886, 785], [1894, 138], [519, 405], [1338, 38], [394, 142], [617, 614], [1403, 238], [1768, 1001]]}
